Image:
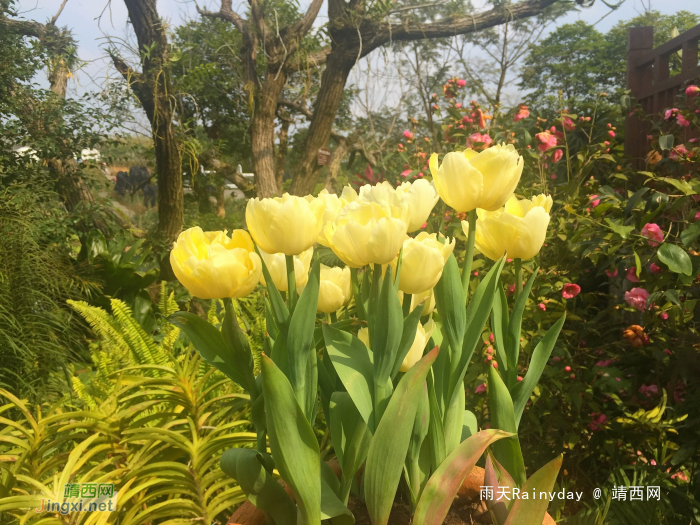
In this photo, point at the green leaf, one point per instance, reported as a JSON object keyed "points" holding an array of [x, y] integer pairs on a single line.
{"points": [[496, 476], [441, 489], [514, 329], [681, 185], [301, 346], [332, 508], [292, 442], [499, 322], [690, 234], [506, 451], [469, 425], [532, 511], [521, 391], [436, 432], [619, 228], [666, 142], [637, 264], [410, 325], [450, 301], [239, 346], [350, 438], [415, 475], [634, 199], [352, 361], [245, 465], [209, 343], [677, 260], [387, 452], [279, 307], [672, 295]]}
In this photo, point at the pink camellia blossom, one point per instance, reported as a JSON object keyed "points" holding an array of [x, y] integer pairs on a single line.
{"points": [[637, 298], [407, 134], [597, 422], [567, 368], [461, 82], [558, 154], [663, 315], [611, 133], [678, 152], [653, 462], [542, 307], [682, 121], [547, 141], [480, 389], [522, 113], [653, 232], [611, 273], [655, 269], [648, 391], [632, 275], [568, 124], [692, 91], [478, 137], [670, 113], [594, 200], [570, 290], [697, 216]]}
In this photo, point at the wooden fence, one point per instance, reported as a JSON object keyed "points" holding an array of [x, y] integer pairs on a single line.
{"points": [[648, 78]]}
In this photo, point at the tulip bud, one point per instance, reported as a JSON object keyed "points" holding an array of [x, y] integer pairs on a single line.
{"points": [[423, 260], [335, 288], [213, 266], [415, 353], [287, 224], [277, 266]]}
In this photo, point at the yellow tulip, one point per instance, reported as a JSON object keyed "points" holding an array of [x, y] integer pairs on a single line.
{"points": [[518, 229], [470, 180], [421, 197], [367, 232], [213, 266], [277, 266], [423, 334], [423, 260], [333, 206], [335, 288], [425, 300], [287, 224]]}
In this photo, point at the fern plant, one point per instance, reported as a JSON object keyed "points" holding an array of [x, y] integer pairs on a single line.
{"points": [[151, 417]]}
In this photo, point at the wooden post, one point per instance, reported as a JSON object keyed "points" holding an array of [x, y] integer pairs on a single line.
{"points": [[639, 41]]}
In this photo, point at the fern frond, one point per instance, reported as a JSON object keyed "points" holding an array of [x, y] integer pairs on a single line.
{"points": [[100, 321], [145, 350]]}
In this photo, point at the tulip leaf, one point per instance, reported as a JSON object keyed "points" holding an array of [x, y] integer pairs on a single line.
{"points": [[301, 346], [469, 425], [245, 465], [410, 326], [279, 307], [239, 346], [350, 438], [496, 476], [385, 337], [442, 487], [292, 442], [521, 391], [352, 361], [454, 420], [506, 451], [436, 433], [326, 383], [451, 303], [514, 328], [210, 344], [332, 508], [675, 257], [418, 435], [499, 324], [387, 451], [532, 511]]}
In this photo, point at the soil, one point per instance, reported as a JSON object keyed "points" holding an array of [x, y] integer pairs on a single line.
{"points": [[464, 514]]}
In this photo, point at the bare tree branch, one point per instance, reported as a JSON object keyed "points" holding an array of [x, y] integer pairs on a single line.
{"points": [[60, 10]]}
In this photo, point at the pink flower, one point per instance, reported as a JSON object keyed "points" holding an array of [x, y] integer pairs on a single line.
{"points": [[558, 154], [494, 364], [522, 113], [655, 269], [611, 273], [407, 134], [597, 421], [652, 232], [491, 338], [632, 275], [554, 177], [458, 105], [567, 368], [604, 363], [611, 133], [663, 315], [697, 216], [542, 307], [653, 462], [466, 119], [594, 200], [681, 476], [478, 137], [637, 298], [547, 141], [480, 389], [682, 121], [648, 391], [692, 91], [570, 290], [461, 82], [406, 173], [520, 378], [670, 113], [569, 124], [678, 152]]}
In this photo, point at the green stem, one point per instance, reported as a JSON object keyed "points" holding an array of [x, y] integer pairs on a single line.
{"points": [[334, 317], [469, 256], [359, 305], [328, 318], [291, 284], [518, 278], [407, 304]]}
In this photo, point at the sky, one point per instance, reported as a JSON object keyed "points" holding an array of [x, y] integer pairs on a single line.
{"points": [[92, 20]]}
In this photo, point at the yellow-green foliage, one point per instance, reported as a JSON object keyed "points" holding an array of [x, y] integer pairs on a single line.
{"points": [[153, 422]]}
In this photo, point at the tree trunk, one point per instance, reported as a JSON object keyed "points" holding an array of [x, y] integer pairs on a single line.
{"points": [[334, 165], [326, 107], [262, 132], [153, 89], [282, 153]]}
